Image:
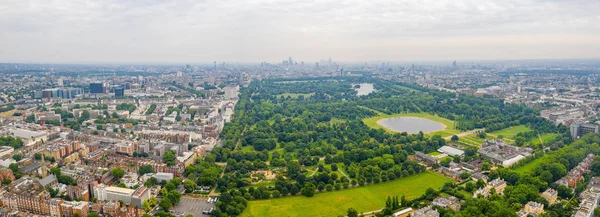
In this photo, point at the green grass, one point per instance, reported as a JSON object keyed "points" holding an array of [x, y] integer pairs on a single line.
{"points": [[363, 199], [473, 140], [295, 95], [434, 153], [547, 138], [511, 131], [449, 131], [247, 148]]}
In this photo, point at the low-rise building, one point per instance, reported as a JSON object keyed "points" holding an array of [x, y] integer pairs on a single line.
{"points": [[550, 195], [426, 212], [452, 203], [531, 209]]}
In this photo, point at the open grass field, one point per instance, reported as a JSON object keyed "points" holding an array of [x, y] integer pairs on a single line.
{"points": [[434, 153], [473, 140], [449, 131], [547, 138], [363, 199], [511, 131], [295, 95]]}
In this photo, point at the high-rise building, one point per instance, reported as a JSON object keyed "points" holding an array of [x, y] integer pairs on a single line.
{"points": [[119, 92], [215, 66], [96, 87]]}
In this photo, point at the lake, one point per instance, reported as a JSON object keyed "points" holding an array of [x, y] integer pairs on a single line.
{"points": [[365, 89], [411, 124]]}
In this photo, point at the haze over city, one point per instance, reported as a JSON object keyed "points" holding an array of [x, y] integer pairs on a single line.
{"points": [[83, 31]]}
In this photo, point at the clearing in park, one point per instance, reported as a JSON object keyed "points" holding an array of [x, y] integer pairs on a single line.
{"points": [[336, 203], [511, 131], [449, 130]]}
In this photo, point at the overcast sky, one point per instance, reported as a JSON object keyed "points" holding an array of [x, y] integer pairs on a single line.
{"points": [[162, 31]]}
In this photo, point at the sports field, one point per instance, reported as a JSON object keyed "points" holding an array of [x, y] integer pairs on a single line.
{"points": [[511, 131], [336, 203], [449, 131]]}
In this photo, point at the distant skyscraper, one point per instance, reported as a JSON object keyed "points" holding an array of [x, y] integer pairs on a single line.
{"points": [[96, 88], [290, 61], [454, 64], [329, 61], [215, 66], [119, 92], [317, 65]]}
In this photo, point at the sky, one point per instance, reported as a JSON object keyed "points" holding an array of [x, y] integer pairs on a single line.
{"points": [[196, 31]]}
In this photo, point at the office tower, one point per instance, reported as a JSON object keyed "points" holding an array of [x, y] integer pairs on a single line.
{"points": [[96, 87], [119, 92]]}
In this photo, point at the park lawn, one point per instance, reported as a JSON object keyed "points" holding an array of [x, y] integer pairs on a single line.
{"points": [[247, 148], [434, 153], [511, 131], [336, 203], [295, 95], [449, 131], [547, 138]]}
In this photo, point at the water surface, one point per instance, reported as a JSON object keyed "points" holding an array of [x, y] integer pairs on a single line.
{"points": [[411, 124]]}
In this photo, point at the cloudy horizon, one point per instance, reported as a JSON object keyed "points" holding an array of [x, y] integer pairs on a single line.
{"points": [[60, 31]]}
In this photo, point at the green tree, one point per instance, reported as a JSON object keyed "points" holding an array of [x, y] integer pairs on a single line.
{"points": [[454, 138], [145, 169], [308, 190], [189, 186], [352, 212], [165, 204], [118, 172], [169, 158], [14, 167]]}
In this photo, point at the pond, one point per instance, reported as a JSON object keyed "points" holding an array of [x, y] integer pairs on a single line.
{"points": [[365, 89], [411, 124]]}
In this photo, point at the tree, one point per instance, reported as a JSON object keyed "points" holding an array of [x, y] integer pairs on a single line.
{"points": [[170, 186], [334, 167], [169, 158], [118, 172], [454, 138], [174, 196], [352, 212], [17, 157], [189, 186], [14, 167], [165, 204], [93, 214], [145, 169], [146, 206], [308, 190]]}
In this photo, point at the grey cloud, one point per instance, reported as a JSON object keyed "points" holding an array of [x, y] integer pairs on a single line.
{"points": [[258, 30]]}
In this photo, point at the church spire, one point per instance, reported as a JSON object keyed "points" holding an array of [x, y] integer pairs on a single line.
{"points": [[44, 170]]}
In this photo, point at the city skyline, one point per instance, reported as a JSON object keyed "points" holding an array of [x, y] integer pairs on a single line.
{"points": [[256, 31]]}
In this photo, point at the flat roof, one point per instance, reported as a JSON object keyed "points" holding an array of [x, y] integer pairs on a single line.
{"points": [[26, 134], [450, 150], [120, 190]]}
